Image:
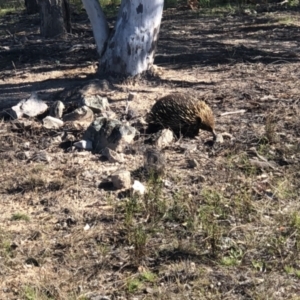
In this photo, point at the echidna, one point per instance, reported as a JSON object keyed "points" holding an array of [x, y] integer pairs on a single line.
{"points": [[182, 113]]}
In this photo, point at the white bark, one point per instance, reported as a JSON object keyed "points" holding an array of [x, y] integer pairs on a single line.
{"points": [[131, 50], [99, 23]]}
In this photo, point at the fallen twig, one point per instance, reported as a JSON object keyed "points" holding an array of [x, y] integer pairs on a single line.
{"points": [[233, 112]]}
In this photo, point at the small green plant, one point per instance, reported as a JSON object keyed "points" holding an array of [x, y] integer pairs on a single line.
{"points": [[292, 271], [148, 276], [131, 208], [29, 293], [210, 214], [138, 238], [133, 285], [233, 259], [20, 217]]}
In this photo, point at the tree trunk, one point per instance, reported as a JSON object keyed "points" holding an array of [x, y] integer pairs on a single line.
{"points": [[131, 48], [99, 23], [32, 6], [55, 18]]}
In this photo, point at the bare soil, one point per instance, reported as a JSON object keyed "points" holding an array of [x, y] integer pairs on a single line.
{"points": [[227, 229]]}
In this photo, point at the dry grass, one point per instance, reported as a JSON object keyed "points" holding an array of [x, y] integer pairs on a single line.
{"points": [[228, 229]]}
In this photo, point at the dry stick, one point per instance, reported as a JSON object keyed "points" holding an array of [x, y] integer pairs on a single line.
{"points": [[233, 112]]}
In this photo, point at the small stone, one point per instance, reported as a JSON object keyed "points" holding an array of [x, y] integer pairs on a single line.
{"points": [[110, 133], [96, 103], [57, 109], [86, 227], [138, 187], [84, 144], [133, 97], [121, 180], [23, 155], [193, 163], [219, 138], [40, 156], [26, 145], [112, 155], [82, 115], [31, 107], [165, 139], [52, 123], [154, 162]]}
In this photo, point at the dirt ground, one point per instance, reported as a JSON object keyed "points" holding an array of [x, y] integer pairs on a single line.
{"points": [[228, 228]]}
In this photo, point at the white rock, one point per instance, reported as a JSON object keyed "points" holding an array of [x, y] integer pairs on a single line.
{"points": [[84, 144], [165, 139], [138, 187], [86, 227], [219, 138], [57, 109], [52, 123], [121, 180], [31, 107]]}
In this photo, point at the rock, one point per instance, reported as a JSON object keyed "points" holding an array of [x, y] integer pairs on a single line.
{"points": [[110, 133], [133, 97], [193, 163], [96, 103], [219, 138], [154, 162], [57, 109], [31, 107], [26, 145], [165, 139], [52, 123], [121, 180], [23, 155], [84, 144], [40, 156], [112, 155], [82, 115], [138, 187]]}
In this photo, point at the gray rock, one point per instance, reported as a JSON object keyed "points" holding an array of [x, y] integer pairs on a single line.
{"points": [[96, 103], [57, 109], [121, 180], [133, 97], [112, 155], [82, 115], [31, 107], [193, 163], [154, 162], [52, 123], [165, 139], [110, 133], [84, 144]]}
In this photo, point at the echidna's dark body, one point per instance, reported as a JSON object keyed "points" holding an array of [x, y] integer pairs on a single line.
{"points": [[181, 113]]}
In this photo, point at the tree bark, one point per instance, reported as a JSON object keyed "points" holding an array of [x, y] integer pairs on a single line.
{"points": [[55, 18], [32, 6], [131, 47], [131, 50], [99, 23]]}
